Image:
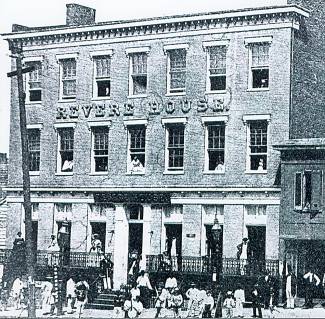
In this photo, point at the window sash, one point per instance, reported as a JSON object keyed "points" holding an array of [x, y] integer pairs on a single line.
{"points": [[217, 57], [260, 55], [137, 139], [139, 64], [66, 140], [216, 137], [175, 147], [177, 69], [102, 67]]}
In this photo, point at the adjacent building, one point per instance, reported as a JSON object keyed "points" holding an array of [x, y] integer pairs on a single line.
{"points": [[146, 132]]}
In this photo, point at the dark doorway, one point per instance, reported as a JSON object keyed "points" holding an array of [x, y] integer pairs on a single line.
{"points": [[64, 240], [256, 236], [135, 238], [174, 239], [100, 230], [209, 244]]}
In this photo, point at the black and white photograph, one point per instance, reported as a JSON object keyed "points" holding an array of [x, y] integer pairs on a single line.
{"points": [[162, 159]]}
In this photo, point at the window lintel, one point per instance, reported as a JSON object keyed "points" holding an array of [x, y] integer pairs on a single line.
{"points": [[175, 46], [256, 117], [220, 118], [135, 122], [37, 126], [101, 53], [65, 125], [65, 56], [174, 120], [261, 39], [215, 43], [99, 124], [145, 49]]}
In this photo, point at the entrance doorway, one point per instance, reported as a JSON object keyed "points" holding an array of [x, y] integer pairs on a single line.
{"points": [[99, 229], [135, 238], [173, 244], [256, 236]]}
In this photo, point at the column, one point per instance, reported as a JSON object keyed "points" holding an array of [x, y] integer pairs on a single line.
{"points": [[146, 236], [120, 247]]}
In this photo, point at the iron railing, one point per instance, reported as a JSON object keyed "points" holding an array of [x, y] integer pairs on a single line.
{"points": [[45, 258], [236, 267], [204, 264]]}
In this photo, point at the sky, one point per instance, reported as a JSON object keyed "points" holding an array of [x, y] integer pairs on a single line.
{"points": [[52, 12]]}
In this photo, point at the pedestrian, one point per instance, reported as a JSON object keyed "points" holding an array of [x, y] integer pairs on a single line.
{"points": [[81, 291], [176, 302], [266, 282], [162, 294], [191, 294], [53, 252], [239, 299], [70, 295], [17, 289], [311, 281], [171, 282], [46, 292], [256, 301], [133, 307], [106, 272], [291, 288], [145, 287], [272, 305], [229, 304], [133, 266], [208, 304], [243, 252], [135, 291]]}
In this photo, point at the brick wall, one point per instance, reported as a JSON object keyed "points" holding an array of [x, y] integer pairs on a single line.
{"points": [[308, 73], [275, 101], [156, 216], [272, 232], [232, 229]]}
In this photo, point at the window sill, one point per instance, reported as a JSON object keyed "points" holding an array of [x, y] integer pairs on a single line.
{"points": [[33, 103], [63, 173], [175, 94], [258, 90], [214, 172], [135, 173], [256, 172], [67, 100], [101, 98], [98, 173], [215, 92], [137, 96], [34, 173], [173, 172]]}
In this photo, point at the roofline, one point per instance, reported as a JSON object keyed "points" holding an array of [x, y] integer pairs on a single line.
{"points": [[158, 20]]}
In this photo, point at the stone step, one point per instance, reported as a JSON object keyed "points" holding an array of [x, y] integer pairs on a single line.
{"points": [[99, 306], [104, 301]]}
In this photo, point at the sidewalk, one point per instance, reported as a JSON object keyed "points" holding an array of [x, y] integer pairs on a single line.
{"points": [[316, 312]]}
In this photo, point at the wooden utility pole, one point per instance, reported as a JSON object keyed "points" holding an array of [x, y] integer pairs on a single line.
{"points": [[17, 51]]}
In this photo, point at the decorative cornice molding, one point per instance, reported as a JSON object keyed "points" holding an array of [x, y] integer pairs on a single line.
{"points": [[154, 27]]}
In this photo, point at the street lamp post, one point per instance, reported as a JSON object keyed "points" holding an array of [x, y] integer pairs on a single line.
{"points": [[63, 242]]}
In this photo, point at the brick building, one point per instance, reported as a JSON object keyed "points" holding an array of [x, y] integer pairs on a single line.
{"points": [[147, 131], [302, 221]]}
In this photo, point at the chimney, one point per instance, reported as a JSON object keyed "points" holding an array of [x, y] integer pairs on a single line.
{"points": [[79, 15]]}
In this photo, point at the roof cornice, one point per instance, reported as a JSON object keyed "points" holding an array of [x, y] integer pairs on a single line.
{"points": [[145, 27]]}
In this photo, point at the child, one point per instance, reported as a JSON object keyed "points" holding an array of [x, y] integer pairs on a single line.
{"points": [[176, 302], [229, 304], [240, 299], [256, 301]]}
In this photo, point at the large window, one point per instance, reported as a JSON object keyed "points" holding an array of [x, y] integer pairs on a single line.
{"points": [[136, 148], [259, 68], [175, 147], [34, 83], [66, 146], [256, 210], [138, 73], [257, 145], [34, 145], [308, 190], [215, 146], [102, 76], [217, 68], [68, 73], [176, 71], [100, 149]]}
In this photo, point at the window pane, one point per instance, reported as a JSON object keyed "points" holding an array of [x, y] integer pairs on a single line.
{"points": [[216, 145], [258, 145], [137, 140], [177, 60], [298, 190], [100, 148], [176, 146], [103, 66], [218, 60], [34, 149], [139, 63], [260, 55], [260, 78], [69, 68], [66, 149]]}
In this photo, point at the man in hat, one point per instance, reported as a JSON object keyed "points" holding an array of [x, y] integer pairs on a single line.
{"points": [[243, 255], [208, 304], [176, 302], [256, 301]]}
